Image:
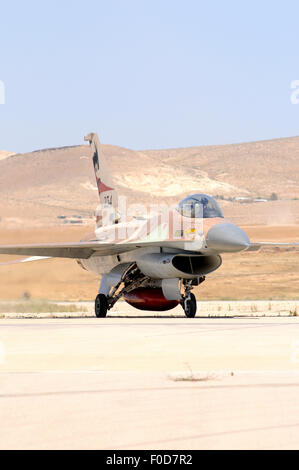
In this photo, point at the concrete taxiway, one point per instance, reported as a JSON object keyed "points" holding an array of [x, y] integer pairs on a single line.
{"points": [[149, 383]]}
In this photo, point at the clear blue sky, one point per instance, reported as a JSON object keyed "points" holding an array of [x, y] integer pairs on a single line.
{"points": [[147, 73]]}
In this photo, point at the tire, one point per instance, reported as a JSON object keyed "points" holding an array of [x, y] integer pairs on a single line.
{"points": [[190, 306], [101, 306]]}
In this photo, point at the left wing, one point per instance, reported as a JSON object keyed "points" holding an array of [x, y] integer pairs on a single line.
{"points": [[25, 260], [82, 250]]}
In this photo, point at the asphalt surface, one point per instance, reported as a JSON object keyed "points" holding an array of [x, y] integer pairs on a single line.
{"points": [[149, 383]]}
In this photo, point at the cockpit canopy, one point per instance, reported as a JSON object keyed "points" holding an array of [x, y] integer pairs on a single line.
{"points": [[199, 206]]}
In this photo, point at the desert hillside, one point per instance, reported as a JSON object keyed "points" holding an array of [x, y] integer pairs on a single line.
{"points": [[258, 168], [4, 154], [43, 187]]}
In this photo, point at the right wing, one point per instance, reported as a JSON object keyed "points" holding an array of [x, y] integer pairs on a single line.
{"points": [[256, 246]]}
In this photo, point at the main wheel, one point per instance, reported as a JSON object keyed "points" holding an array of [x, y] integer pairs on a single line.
{"points": [[101, 306], [190, 306]]}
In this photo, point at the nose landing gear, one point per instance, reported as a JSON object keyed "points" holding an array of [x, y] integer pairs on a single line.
{"points": [[188, 299], [189, 305]]}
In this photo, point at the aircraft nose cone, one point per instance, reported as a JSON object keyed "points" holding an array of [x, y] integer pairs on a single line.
{"points": [[227, 238]]}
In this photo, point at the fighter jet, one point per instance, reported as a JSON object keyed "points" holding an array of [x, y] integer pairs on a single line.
{"points": [[155, 261]]}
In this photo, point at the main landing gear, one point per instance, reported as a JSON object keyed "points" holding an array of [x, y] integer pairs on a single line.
{"points": [[188, 303], [130, 280], [101, 306]]}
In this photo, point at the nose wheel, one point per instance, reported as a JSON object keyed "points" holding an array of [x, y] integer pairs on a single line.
{"points": [[189, 305], [101, 306]]}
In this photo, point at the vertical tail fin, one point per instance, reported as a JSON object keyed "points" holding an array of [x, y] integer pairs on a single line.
{"points": [[107, 193]]}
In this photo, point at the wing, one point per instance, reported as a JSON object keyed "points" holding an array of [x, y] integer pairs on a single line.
{"points": [[256, 246], [25, 260], [83, 250]]}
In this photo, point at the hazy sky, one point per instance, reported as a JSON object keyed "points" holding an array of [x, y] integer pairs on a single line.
{"points": [[147, 74]]}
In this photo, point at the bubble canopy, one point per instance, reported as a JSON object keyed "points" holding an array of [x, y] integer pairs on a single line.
{"points": [[199, 206]]}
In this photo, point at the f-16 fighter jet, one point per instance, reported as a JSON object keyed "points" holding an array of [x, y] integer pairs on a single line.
{"points": [[153, 262]]}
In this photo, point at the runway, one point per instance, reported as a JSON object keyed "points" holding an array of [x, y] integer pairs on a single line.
{"points": [[149, 383]]}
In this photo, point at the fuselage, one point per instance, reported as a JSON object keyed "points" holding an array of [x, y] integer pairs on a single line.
{"points": [[200, 236]]}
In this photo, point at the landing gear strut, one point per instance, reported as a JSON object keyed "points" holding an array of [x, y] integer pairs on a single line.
{"points": [[130, 280]]}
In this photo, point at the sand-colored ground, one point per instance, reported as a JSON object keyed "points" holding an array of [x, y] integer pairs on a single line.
{"points": [[36, 309], [268, 274], [149, 383]]}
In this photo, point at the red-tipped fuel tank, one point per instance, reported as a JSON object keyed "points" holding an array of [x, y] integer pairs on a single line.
{"points": [[149, 298]]}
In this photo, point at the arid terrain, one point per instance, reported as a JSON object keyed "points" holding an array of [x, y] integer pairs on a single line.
{"points": [[37, 187], [50, 195], [4, 154]]}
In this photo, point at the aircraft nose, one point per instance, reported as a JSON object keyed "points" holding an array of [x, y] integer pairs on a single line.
{"points": [[227, 238]]}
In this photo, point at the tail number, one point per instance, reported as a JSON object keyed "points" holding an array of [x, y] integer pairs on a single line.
{"points": [[108, 200]]}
